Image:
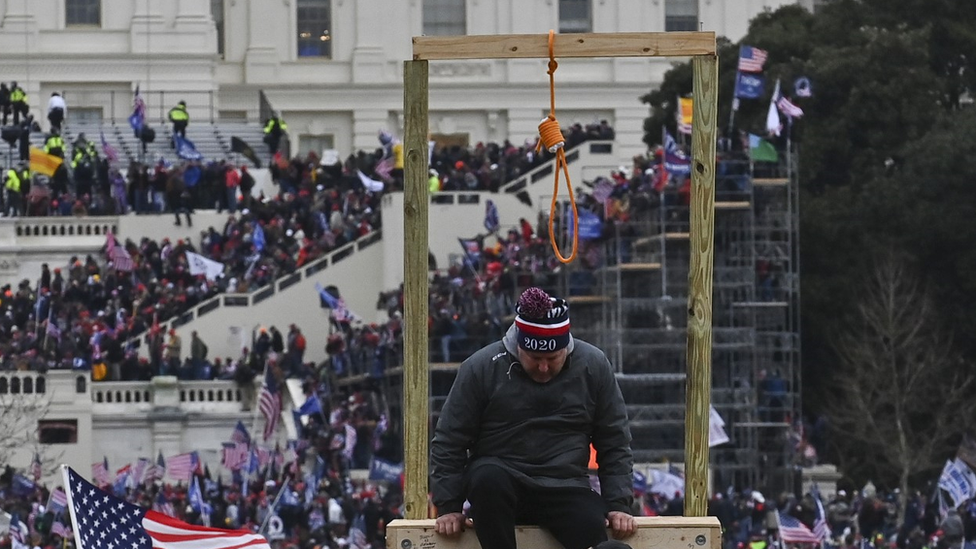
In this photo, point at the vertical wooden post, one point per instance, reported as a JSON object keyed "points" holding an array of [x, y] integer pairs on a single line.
{"points": [[415, 363], [699, 379]]}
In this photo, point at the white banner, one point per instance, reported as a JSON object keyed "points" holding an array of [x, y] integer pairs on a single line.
{"points": [[716, 428], [666, 484], [201, 265], [958, 480]]}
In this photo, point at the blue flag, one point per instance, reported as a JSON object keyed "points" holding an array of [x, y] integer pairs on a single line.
{"points": [[258, 239], [380, 469], [749, 86], [590, 226], [491, 216], [138, 117], [185, 148], [23, 486], [311, 406], [195, 496]]}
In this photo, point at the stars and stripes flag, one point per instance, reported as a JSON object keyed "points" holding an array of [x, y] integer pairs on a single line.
{"points": [[57, 502], [751, 59], [155, 471], [139, 470], [339, 311], [788, 108], [182, 466], [120, 258], [820, 527], [792, 530], [163, 505], [103, 520], [60, 529], [100, 472], [240, 434], [270, 404], [235, 455]]}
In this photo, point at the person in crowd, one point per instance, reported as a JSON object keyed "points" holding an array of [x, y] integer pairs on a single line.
{"points": [[4, 102], [180, 119], [57, 111], [274, 130], [498, 443], [18, 102]]}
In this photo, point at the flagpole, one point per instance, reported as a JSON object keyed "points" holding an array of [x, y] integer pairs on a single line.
{"points": [[663, 214], [71, 507], [281, 492]]}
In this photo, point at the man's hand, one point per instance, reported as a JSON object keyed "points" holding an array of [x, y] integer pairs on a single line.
{"points": [[621, 524], [452, 524]]}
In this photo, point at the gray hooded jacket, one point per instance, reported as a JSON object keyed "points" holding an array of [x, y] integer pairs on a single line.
{"points": [[540, 432]]}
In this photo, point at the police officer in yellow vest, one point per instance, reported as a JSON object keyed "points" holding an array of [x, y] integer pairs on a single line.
{"points": [[180, 118], [274, 129], [54, 145], [18, 101], [13, 186]]}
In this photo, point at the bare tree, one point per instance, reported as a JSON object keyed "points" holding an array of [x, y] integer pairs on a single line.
{"points": [[19, 416], [902, 394]]}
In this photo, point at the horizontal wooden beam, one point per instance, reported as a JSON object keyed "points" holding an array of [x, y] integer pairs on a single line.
{"points": [[510, 46]]}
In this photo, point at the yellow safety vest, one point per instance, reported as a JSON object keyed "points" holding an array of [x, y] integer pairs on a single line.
{"points": [[13, 180], [178, 114], [18, 95]]}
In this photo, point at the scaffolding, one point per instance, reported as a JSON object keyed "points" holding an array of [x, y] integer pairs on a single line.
{"points": [[635, 308]]}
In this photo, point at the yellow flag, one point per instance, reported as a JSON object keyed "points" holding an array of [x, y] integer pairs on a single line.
{"points": [[685, 105], [43, 163]]}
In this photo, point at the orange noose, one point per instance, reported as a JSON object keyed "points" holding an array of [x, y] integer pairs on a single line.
{"points": [[552, 137]]}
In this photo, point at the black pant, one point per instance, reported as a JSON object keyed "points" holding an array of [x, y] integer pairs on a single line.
{"points": [[55, 117], [574, 516]]}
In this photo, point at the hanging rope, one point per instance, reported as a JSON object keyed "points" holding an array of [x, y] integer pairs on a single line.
{"points": [[552, 138]]}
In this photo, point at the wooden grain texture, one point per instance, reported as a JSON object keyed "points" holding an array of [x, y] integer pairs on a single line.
{"points": [[652, 532], [415, 212], [701, 239], [510, 46]]}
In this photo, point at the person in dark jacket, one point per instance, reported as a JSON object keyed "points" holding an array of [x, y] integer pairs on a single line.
{"points": [[515, 432]]}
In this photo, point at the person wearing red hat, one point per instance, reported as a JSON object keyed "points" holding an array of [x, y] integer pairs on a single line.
{"points": [[513, 437]]}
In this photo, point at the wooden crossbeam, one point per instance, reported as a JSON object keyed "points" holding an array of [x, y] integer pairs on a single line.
{"points": [[512, 46]]}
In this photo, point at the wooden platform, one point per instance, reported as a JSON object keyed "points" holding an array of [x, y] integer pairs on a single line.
{"points": [[760, 304], [643, 241], [652, 533]]}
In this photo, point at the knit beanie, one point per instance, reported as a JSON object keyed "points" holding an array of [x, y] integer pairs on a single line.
{"points": [[542, 322]]}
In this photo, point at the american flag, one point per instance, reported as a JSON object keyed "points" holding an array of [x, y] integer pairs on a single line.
{"points": [[61, 530], [820, 527], [100, 472], [262, 457], [751, 59], [182, 466], [792, 530], [270, 404], [163, 505], [155, 471], [139, 471], [240, 434], [788, 108], [235, 455], [57, 502], [103, 520], [121, 260]]}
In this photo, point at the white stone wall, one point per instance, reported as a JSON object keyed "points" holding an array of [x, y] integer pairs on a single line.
{"points": [[169, 49]]}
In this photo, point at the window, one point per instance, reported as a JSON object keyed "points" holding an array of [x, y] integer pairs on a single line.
{"points": [[217, 12], [681, 15], [445, 18], [57, 431], [314, 28], [315, 143], [83, 12], [574, 16]]}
